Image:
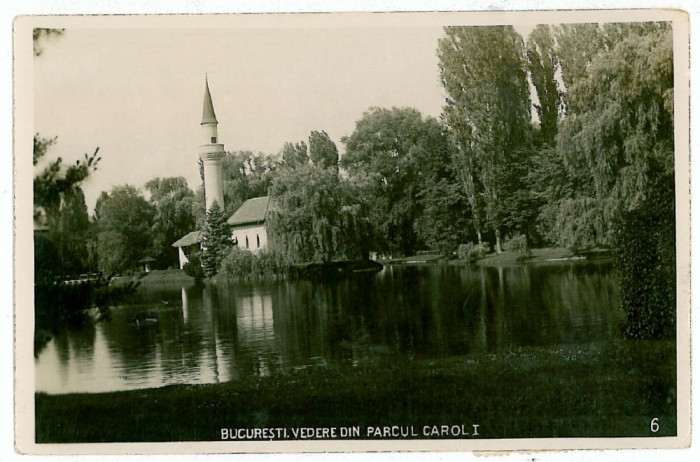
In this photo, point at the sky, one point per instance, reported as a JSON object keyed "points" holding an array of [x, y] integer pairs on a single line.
{"points": [[137, 94]]}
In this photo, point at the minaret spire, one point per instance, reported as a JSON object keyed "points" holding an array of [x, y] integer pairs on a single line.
{"points": [[208, 115]]}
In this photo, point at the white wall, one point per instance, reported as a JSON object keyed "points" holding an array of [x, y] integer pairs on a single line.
{"points": [[183, 258], [252, 232]]}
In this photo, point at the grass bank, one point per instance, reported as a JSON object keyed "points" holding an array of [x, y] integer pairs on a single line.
{"points": [[537, 256], [156, 277], [593, 390], [412, 259]]}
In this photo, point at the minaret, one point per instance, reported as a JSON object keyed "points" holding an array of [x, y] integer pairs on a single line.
{"points": [[211, 153]]}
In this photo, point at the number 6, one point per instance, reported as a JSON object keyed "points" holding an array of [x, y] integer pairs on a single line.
{"points": [[654, 427]]}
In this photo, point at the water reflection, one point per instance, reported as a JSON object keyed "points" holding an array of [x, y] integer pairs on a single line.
{"points": [[229, 331]]}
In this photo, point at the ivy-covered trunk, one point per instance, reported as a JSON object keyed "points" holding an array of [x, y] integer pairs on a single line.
{"points": [[646, 261]]}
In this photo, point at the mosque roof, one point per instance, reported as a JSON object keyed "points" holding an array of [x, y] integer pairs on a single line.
{"points": [[195, 237], [251, 211]]}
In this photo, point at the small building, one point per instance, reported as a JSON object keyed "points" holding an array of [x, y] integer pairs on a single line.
{"points": [[146, 263], [186, 245], [248, 228]]}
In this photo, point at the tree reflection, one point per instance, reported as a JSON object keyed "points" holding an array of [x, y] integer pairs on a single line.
{"points": [[241, 330]]}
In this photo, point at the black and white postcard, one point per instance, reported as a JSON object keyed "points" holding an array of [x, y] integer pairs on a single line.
{"points": [[352, 232]]}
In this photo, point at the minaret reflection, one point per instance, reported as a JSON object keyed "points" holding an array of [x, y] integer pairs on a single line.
{"points": [[185, 306], [256, 329], [240, 331], [211, 306]]}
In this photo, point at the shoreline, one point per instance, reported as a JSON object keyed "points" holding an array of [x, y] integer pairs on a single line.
{"points": [[507, 258]]}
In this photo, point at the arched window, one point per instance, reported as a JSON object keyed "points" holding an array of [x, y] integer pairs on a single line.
{"points": [[246, 242], [257, 236]]}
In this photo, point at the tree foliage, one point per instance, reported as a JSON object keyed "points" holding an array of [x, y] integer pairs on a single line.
{"points": [[646, 255], [624, 118], [315, 215], [322, 150], [445, 221], [304, 217], [124, 225], [483, 70], [543, 65], [389, 148], [40, 34], [171, 200], [246, 175], [59, 204], [295, 154], [617, 136], [53, 182]]}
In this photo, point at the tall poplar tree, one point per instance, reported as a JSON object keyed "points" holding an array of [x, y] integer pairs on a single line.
{"points": [[543, 65], [484, 72]]}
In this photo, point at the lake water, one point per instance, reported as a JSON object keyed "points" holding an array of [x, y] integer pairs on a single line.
{"points": [[229, 331]]}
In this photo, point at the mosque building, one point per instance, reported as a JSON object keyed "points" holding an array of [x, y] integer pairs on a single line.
{"points": [[248, 227]]}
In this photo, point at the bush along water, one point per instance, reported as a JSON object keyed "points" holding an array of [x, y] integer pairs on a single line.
{"points": [[472, 252], [518, 244], [243, 264]]}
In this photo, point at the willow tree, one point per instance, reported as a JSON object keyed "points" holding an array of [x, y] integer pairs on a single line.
{"points": [[304, 220], [314, 215], [484, 73], [171, 199], [621, 135], [617, 137]]}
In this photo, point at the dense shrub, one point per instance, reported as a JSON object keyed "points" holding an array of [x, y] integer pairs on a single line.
{"points": [[646, 261], [194, 267], [243, 264], [472, 252], [518, 244]]}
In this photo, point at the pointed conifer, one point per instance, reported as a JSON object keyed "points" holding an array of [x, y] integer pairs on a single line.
{"points": [[216, 240]]}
